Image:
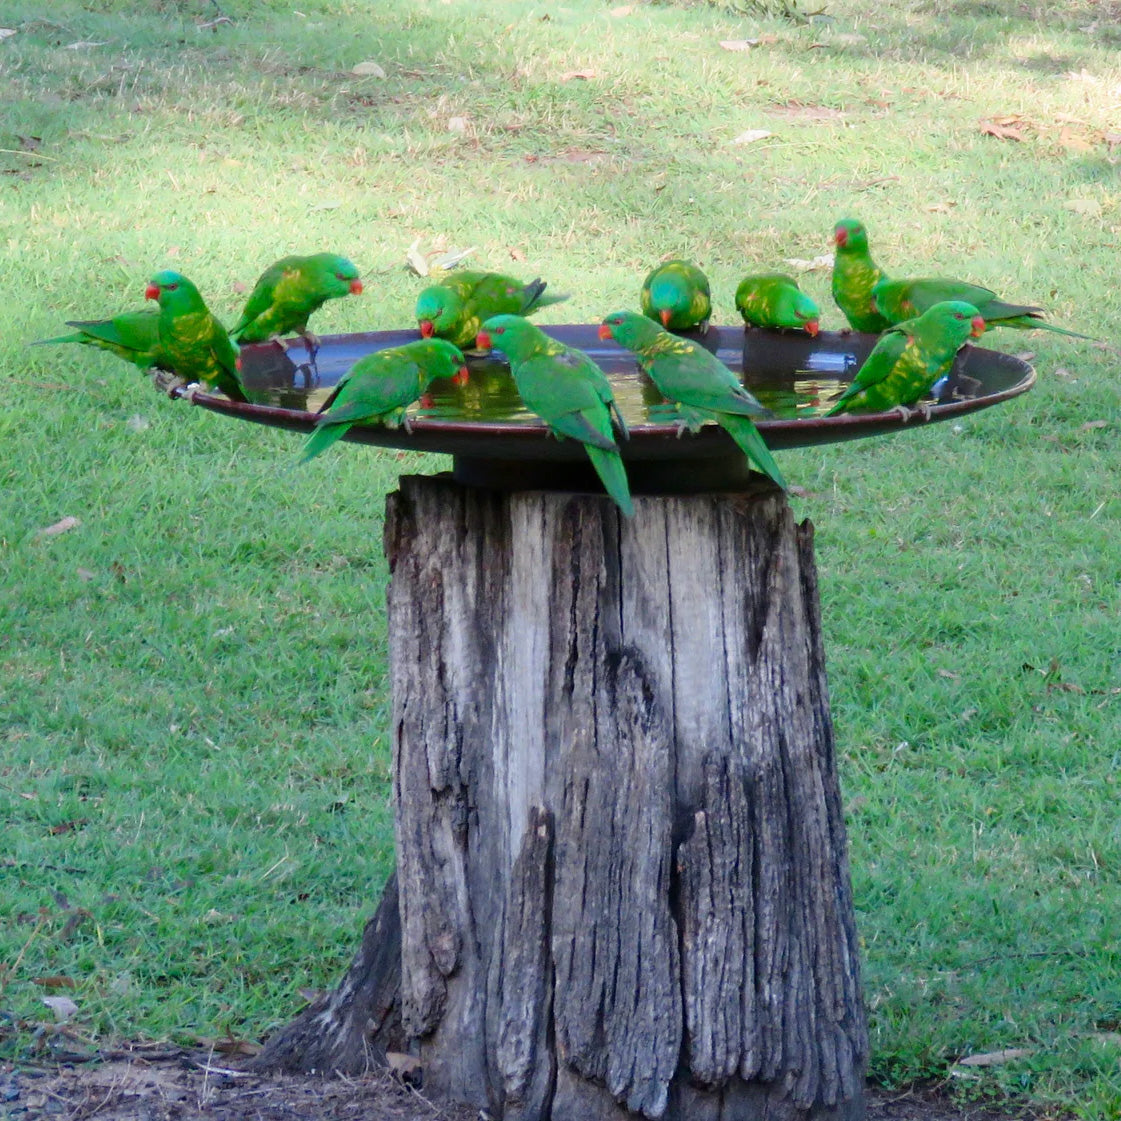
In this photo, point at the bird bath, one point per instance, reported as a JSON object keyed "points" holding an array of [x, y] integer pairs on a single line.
{"points": [[621, 882], [495, 442]]}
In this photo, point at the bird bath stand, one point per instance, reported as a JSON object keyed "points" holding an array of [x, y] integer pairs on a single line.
{"points": [[622, 883]]}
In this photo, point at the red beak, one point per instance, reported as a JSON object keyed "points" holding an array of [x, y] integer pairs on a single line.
{"points": [[460, 377], [665, 315], [604, 332], [812, 327], [152, 292], [427, 329], [483, 341], [237, 363], [356, 287], [978, 326], [841, 236]]}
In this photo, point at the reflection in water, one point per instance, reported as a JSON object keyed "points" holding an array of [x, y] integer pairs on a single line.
{"points": [[800, 379]]}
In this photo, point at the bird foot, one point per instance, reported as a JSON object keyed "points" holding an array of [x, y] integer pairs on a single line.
{"points": [[191, 392], [167, 382], [905, 413]]}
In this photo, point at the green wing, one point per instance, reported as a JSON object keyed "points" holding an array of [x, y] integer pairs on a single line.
{"points": [[566, 400], [877, 366], [690, 375], [133, 336]]}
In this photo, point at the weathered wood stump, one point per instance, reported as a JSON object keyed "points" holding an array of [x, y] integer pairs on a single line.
{"points": [[621, 858]]}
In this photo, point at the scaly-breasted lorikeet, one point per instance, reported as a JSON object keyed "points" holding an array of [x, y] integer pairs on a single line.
{"points": [[854, 276], [909, 358], [455, 308], [898, 300], [379, 387], [289, 291], [774, 300], [695, 382], [676, 295], [195, 344], [567, 390], [133, 336]]}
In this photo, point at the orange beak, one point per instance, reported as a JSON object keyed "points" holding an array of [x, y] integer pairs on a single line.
{"points": [[460, 376], [604, 332], [841, 236], [152, 292], [356, 287], [665, 315], [483, 340], [427, 329], [978, 327], [812, 327]]}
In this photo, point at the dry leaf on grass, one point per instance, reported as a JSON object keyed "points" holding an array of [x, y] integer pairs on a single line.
{"points": [[739, 44], [55, 981], [825, 261], [583, 75], [751, 135], [1005, 128], [1073, 141], [368, 69], [6, 33], [1090, 425], [622, 10], [62, 1007], [61, 526], [1088, 208], [994, 1058]]}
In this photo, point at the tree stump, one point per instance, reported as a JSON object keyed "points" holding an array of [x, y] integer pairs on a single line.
{"points": [[621, 858]]}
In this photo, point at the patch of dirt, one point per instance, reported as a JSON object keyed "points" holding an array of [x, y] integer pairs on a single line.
{"points": [[149, 1085]]}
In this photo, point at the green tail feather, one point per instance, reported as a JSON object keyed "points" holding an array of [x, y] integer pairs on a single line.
{"points": [[1030, 323], [321, 439], [77, 337], [741, 429], [609, 467]]}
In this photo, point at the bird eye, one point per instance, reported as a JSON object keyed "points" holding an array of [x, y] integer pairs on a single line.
{"points": [[499, 330], [170, 287], [339, 276]]}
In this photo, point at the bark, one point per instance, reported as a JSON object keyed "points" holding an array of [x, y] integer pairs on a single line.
{"points": [[622, 861]]}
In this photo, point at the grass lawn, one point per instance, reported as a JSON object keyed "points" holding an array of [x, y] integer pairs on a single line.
{"points": [[194, 784]]}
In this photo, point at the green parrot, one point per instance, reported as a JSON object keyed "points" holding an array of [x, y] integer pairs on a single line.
{"points": [[568, 391], [696, 382], [898, 300], [774, 300], [677, 295], [133, 336], [854, 276], [909, 358], [379, 387], [289, 291], [192, 340], [456, 307]]}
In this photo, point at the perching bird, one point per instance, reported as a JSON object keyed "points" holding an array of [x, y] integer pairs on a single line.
{"points": [[909, 358], [195, 344], [379, 387], [898, 300], [854, 276], [133, 336], [455, 308], [568, 391], [289, 291], [677, 295], [774, 300], [696, 382]]}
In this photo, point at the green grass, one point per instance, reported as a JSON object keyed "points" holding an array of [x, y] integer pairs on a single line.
{"points": [[194, 783]]}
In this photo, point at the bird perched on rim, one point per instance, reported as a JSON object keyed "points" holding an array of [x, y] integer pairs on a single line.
{"points": [[379, 387], [568, 391], [455, 308], [775, 300], [132, 335], [676, 294], [695, 382], [289, 291], [898, 300], [855, 274], [193, 341], [909, 358]]}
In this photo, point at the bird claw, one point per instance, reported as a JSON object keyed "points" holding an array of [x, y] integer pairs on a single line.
{"points": [[167, 382], [905, 413]]}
